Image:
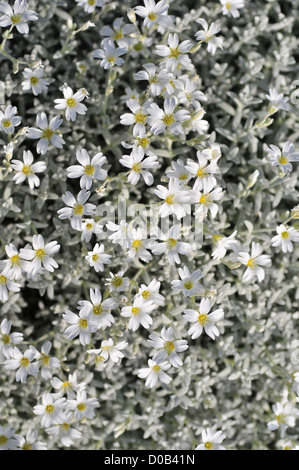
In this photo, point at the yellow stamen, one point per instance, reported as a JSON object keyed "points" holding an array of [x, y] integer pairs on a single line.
{"points": [[6, 123], [47, 134], [71, 102], [81, 406], [202, 318], [97, 309], [33, 80], [27, 170], [168, 119], [135, 310], [49, 409], [24, 362], [169, 346], [208, 445], [40, 253], [83, 323], [78, 209], [89, 169]]}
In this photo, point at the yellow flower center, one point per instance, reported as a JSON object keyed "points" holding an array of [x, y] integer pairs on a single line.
{"points": [[140, 117], [91, 2], [136, 244], [137, 167], [27, 170], [45, 360], [174, 53], [40, 253], [89, 169], [201, 173], [65, 426], [3, 279], [15, 259], [280, 418], [81, 406], [208, 445], [111, 59], [228, 5], [89, 226], [5, 339], [135, 310], [183, 177], [97, 309], [202, 318], [143, 142], [152, 16], [145, 294], [33, 80], [156, 368], [78, 209], [251, 263], [49, 409], [117, 35], [117, 281], [168, 119], [95, 257], [24, 362], [283, 160], [3, 440], [6, 123], [171, 242], [15, 19], [169, 346], [169, 199], [205, 199], [83, 323], [71, 102], [138, 46], [27, 446], [188, 285], [47, 134], [285, 234]]}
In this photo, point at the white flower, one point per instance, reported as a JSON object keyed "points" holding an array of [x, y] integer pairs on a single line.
{"points": [[121, 234], [138, 166], [80, 325], [176, 199], [7, 284], [88, 169], [100, 362], [117, 283], [97, 309], [178, 172], [170, 244], [64, 430], [203, 320], [204, 200], [34, 81], [213, 152], [204, 170], [47, 362], [118, 31], [168, 347], [138, 313], [175, 53], [139, 245], [277, 101], [188, 92], [97, 258], [167, 118], [31, 442], [153, 13], [189, 282], [283, 158], [138, 117], [15, 265], [157, 79], [22, 363], [40, 256], [71, 103], [90, 227], [197, 123], [8, 340], [113, 351], [211, 440], [82, 406], [8, 119], [50, 410], [253, 262], [155, 373], [77, 208], [9, 440], [285, 237], [208, 35], [47, 133], [151, 292], [17, 16], [231, 7], [90, 5], [224, 244], [26, 169], [109, 54], [285, 417], [69, 387]]}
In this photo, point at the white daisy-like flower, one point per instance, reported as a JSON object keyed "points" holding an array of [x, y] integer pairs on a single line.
{"points": [[118, 31], [204, 200], [64, 430], [155, 373], [89, 169], [40, 255], [46, 132], [50, 410], [90, 227], [17, 16], [231, 7], [223, 244], [77, 208], [176, 199], [83, 407], [90, 5], [30, 442], [213, 152], [121, 233], [204, 170], [203, 320], [9, 119], [211, 440], [188, 283], [254, 263], [113, 351], [285, 417], [178, 172], [98, 309], [168, 347], [167, 118], [26, 169], [208, 35], [153, 13], [81, 325], [188, 92], [109, 54], [34, 81], [9, 440], [138, 118], [139, 245], [8, 340], [175, 53], [97, 258], [170, 244], [71, 102], [277, 101], [95, 355], [285, 238], [22, 363], [151, 292], [138, 313], [117, 282], [139, 167], [48, 363], [283, 158], [7, 284], [157, 79], [14, 265], [68, 387]]}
